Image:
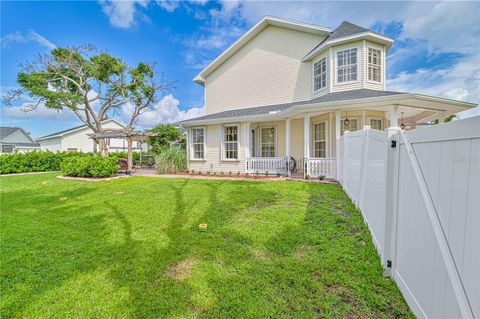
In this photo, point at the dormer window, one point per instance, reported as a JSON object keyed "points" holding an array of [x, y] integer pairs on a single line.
{"points": [[320, 74], [347, 65], [374, 65]]}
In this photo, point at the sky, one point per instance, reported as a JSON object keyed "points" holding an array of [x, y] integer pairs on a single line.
{"points": [[436, 50]]}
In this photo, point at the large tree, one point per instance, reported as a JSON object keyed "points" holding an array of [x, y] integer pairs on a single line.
{"points": [[93, 85]]}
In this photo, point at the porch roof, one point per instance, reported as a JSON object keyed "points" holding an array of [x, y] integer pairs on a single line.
{"points": [[333, 101]]}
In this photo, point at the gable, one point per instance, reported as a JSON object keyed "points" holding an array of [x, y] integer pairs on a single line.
{"points": [[18, 136], [267, 70]]}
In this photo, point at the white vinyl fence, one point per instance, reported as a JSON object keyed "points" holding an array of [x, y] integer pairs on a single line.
{"points": [[419, 193]]}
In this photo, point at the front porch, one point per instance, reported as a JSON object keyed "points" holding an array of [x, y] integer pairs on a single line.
{"points": [[305, 145]]}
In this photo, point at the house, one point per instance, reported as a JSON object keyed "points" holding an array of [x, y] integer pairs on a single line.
{"points": [[16, 140], [279, 98], [76, 139]]}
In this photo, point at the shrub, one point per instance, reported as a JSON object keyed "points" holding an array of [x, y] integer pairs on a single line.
{"points": [[172, 160], [90, 166], [35, 161]]}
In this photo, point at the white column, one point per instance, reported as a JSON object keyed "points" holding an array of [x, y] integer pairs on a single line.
{"points": [[337, 137], [287, 143], [247, 144], [394, 116], [364, 118], [306, 140]]}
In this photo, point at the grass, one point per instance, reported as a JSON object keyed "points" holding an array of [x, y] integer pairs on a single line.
{"points": [[130, 248]]}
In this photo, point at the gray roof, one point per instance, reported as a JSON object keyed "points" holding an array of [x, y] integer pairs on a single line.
{"points": [[345, 29], [265, 110], [6, 131]]}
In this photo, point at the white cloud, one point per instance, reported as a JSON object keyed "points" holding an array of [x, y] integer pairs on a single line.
{"points": [[121, 14], [164, 111], [41, 112], [31, 35], [168, 5]]}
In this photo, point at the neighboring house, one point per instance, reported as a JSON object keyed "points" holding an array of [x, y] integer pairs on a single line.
{"points": [[76, 139], [16, 140], [290, 90]]}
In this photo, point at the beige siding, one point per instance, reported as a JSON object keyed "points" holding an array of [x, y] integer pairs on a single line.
{"points": [[267, 70], [213, 159]]}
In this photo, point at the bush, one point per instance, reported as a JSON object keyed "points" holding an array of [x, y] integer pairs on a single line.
{"points": [[90, 166], [34, 161], [172, 160]]}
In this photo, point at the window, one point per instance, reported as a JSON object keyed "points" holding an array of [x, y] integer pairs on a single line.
{"points": [[320, 74], [347, 65], [268, 142], [7, 148], [72, 149], [320, 140], [374, 65], [108, 141], [198, 143], [352, 126], [230, 142], [376, 124]]}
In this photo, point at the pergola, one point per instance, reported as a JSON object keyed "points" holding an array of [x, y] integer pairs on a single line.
{"points": [[127, 134]]}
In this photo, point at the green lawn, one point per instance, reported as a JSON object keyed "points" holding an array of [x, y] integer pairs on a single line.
{"points": [[130, 248]]}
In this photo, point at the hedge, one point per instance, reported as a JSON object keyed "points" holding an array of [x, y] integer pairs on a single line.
{"points": [[90, 166], [35, 161]]}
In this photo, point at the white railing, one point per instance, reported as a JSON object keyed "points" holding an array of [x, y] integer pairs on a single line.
{"points": [[264, 165], [321, 167]]}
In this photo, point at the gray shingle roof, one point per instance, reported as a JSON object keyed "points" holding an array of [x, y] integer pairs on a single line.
{"points": [[6, 131], [265, 110], [343, 30]]}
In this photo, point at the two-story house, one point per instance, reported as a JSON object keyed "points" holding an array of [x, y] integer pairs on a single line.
{"points": [[279, 98]]}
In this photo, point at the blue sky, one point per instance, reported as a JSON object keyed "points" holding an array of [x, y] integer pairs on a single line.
{"points": [[436, 50]]}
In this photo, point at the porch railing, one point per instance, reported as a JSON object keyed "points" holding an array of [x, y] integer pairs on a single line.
{"points": [[321, 167], [262, 165], [313, 167]]}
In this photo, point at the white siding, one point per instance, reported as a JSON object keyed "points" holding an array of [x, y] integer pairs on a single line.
{"points": [[267, 70], [51, 144]]}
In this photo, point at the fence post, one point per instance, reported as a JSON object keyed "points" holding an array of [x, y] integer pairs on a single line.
{"points": [[363, 167], [391, 198]]}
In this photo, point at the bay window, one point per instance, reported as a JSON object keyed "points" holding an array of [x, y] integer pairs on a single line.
{"points": [[376, 124], [347, 65], [320, 74], [374, 65], [230, 142], [353, 125]]}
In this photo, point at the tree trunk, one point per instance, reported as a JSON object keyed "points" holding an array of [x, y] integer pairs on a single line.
{"points": [[130, 155], [94, 146]]}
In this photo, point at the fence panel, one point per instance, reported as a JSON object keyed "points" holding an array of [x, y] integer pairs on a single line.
{"points": [[436, 224]]}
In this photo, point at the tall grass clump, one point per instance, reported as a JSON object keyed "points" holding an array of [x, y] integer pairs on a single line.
{"points": [[172, 160]]}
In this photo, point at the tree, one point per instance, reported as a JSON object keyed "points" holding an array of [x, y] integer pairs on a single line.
{"points": [[446, 119], [167, 135], [92, 85]]}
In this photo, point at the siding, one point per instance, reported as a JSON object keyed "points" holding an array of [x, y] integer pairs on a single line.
{"points": [[267, 70], [17, 137], [213, 161]]}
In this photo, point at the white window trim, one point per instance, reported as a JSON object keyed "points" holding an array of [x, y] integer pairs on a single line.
{"points": [[326, 74], [327, 141], [222, 149], [13, 149], [336, 65], [382, 57], [376, 118], [259, 137], [350, 118], [190, 144]]}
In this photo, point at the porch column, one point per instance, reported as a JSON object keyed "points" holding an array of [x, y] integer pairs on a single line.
{"points": [[130, 157], [247, 144], [306, 139], [337, 137], [394, 116], [287, 144]]}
